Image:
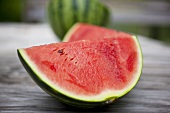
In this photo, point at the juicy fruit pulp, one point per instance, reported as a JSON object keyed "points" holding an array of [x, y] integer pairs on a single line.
{"points": [[64, 13], [82, 31], [90, 71]]}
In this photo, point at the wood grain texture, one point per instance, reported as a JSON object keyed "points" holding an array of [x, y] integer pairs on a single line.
{"points": [[19, 93]]}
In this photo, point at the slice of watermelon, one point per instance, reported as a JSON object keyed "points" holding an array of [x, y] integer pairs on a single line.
{"points": [[85, 73], [82, 31]]}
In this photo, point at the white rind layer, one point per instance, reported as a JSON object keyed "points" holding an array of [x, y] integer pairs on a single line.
{"points": [[71, 31]]}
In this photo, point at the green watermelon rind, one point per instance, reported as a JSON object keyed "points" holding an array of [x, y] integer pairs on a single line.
{"points": [[50, 88], [61, 21]]}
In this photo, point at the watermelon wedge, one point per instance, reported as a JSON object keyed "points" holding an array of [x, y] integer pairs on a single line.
{"points": [[85, 73], [84, 31]]}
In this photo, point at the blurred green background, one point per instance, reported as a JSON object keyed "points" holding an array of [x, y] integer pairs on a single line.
{"points": [[11, 10], [145, 17]]}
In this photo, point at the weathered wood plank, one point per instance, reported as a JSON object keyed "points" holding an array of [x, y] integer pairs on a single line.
{"points": [[19, 93]]}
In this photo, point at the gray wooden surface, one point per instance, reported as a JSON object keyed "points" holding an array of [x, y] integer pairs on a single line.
{"points": [[18, 92]]}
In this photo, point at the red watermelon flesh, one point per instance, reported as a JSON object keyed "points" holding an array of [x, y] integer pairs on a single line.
{"points": [[88, 67], [82, 31]]}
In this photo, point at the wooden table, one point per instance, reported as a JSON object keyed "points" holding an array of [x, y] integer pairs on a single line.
{"points": [[18, 92]]}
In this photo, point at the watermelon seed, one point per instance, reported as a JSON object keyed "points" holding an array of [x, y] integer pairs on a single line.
{"points": [[54, 50], [60, 51], [65, 59], [71, 59]]}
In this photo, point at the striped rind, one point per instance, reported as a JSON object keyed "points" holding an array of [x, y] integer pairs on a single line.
{"points": [[64, 13], [54, 17]]}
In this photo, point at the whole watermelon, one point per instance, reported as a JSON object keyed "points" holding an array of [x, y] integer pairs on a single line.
{"points": [[64, 13]]}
